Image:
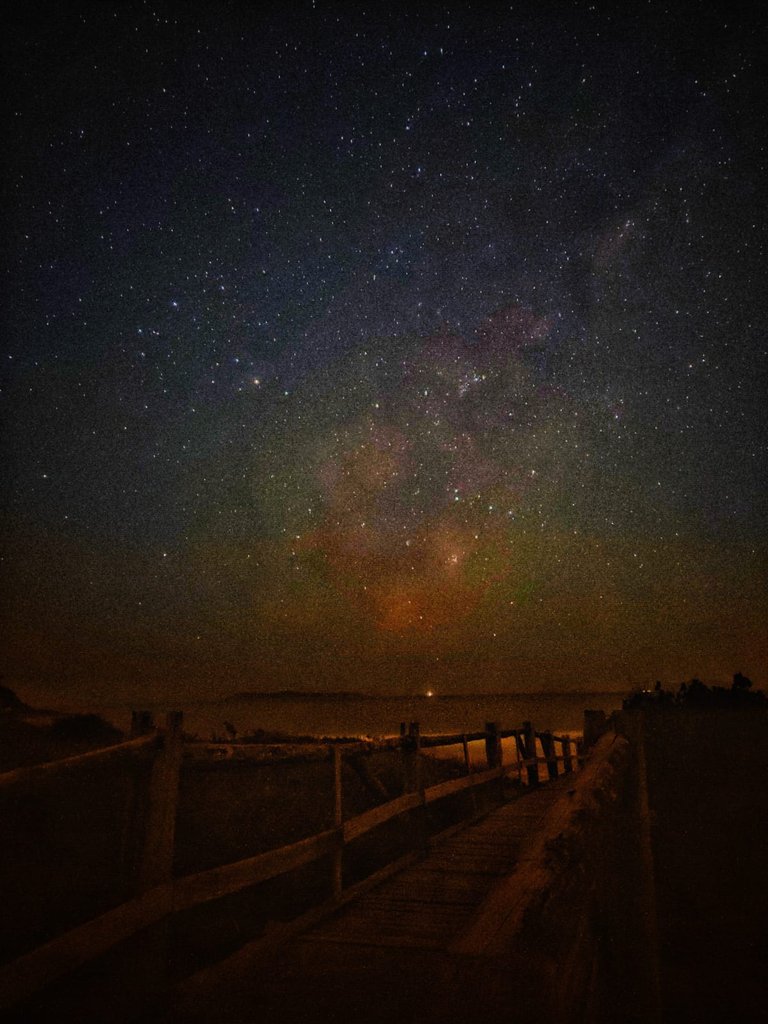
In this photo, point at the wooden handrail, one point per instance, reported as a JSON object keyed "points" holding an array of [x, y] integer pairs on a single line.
{"points": [[203, 750], [451, 786], [362, 823], [21, 977], [451, 739], [221, 881], [247, 751], [33, 772], [230, 753]]}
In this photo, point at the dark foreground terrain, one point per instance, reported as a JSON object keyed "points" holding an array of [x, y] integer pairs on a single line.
{"points": [[708, 794]]}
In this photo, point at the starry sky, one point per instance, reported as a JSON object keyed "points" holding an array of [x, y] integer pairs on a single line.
{"points": [[382, 346]]}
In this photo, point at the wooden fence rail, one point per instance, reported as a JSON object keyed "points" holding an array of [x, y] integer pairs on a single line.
{"points": [[41, 772], [160, 894]]}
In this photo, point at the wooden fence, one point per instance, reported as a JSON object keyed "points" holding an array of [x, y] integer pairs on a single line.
{"points": [[160, 894]]}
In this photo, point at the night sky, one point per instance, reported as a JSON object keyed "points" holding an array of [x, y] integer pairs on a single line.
{"points": [[380, 347]]}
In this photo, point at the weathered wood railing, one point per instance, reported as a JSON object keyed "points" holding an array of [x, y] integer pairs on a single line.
{"points": [[159, 894]]}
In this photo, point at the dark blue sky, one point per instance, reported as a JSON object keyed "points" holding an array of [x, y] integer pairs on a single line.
{"points": [[352, 337]]}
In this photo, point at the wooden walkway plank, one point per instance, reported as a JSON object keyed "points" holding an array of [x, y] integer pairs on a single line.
{"points": [[370, 947], [443, 896], [430, 884]]}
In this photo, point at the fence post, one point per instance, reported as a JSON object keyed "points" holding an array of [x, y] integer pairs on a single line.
{"points": [[411, 758], [134, 819], [567, 759], [595, 725], [414, 778], [142, 723], [468, 766], [580, 752], [492, 745], [520, 755], [156, 864], [548, 746], [465, 748], [338, 820], [529, 746]]}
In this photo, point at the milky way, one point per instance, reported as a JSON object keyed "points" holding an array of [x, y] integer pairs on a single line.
{"points": [[383, 350]]}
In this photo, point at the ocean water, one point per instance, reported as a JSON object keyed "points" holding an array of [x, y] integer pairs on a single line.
{"points": [[381, 716]]}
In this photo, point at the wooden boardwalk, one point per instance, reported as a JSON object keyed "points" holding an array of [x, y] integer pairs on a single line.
{"points": [[388, 954], [133, 886]]}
